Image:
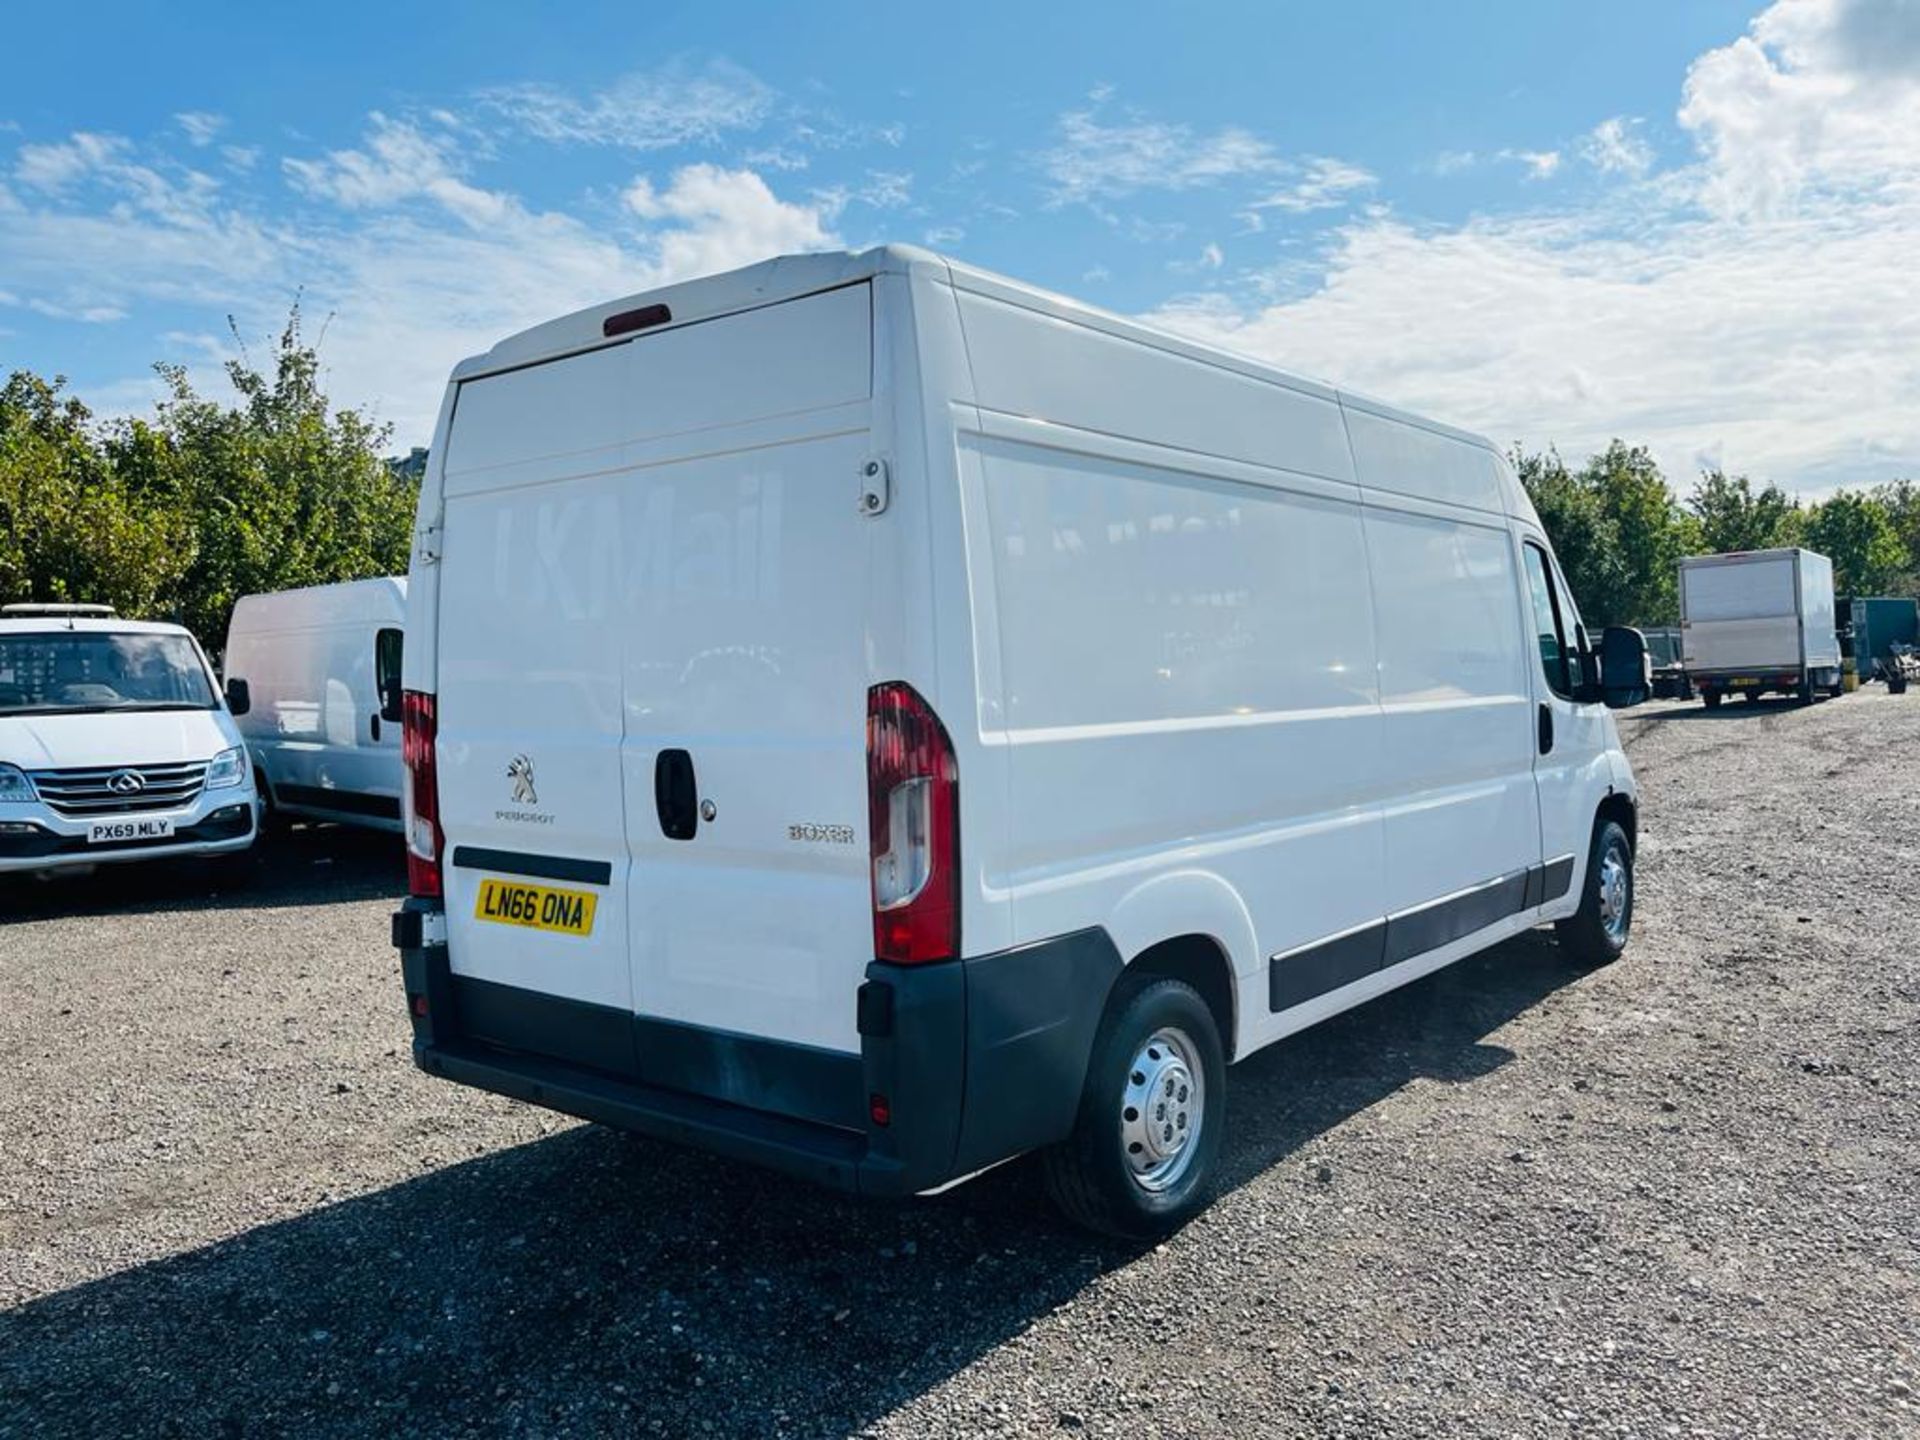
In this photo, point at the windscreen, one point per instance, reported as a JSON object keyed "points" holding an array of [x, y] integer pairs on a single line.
{"points": [[65, 671]]}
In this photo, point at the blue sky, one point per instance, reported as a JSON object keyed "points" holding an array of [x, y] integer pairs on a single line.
{"points": [[1687, 224]]}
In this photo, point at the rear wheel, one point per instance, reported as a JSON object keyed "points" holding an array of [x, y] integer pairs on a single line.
{"points": [[1711, 698], [1803, 692], [1140, 1161], [1598, 931]]}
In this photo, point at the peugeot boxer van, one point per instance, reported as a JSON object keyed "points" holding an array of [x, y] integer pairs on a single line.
{"points": [[313, 677], [876, 719], [114, 744]]}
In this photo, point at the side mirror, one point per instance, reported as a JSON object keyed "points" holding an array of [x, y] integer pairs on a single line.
{"points": [[239, 699], [1624, 667]]}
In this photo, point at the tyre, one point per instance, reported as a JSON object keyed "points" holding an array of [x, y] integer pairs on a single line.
{"points": [[1803, 692], [1597, 933], [1141, 1159], [1711, 698], [1896, 682], [274, 825]]}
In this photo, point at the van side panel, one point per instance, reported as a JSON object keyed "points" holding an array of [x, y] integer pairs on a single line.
{"points": [[1188, 692], [1027, 363], [1458, 718]]}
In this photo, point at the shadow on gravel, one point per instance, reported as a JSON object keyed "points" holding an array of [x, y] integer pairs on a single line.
{"points": [[1730, 710], [592, 1283], [312, 865]]}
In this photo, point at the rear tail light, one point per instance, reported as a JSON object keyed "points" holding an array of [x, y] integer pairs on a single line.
{"points": [[913, 827], [421, 793]]}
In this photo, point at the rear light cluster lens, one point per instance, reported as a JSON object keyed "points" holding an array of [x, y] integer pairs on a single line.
{"points": [[913, 827], [421, 793]]}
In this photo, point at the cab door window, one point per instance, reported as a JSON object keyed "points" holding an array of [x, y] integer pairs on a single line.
{"points": [[1549, 627]]}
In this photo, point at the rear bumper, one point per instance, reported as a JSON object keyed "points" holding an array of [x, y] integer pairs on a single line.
{"points": [[976, 1060]]}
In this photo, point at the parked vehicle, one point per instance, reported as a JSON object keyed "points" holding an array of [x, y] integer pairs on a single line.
{"points": [[1879, 623], [1759, 621], [114, 744], [1667, 670], [314, 677], [874, 718]]}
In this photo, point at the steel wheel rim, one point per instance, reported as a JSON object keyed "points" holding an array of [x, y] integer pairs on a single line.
{"points": [[1616, 891], [1162, 1109]]}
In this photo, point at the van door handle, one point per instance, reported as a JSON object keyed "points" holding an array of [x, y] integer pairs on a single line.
{"points": [[1546, 729], [675, 795], [375, 727]]}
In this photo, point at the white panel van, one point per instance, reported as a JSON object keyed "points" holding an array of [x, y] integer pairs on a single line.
{"points": [[114, 744], [876, 719], [313, 676]]}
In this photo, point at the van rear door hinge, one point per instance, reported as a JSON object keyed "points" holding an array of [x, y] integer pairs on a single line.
{"points": [[427, 545], [875, 486]]}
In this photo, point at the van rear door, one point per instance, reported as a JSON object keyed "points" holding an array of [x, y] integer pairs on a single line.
{"points": [[746, 675], [653, 678]]}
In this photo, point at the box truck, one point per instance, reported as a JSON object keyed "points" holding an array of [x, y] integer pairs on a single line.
{"points": [[1759, 621], [874, 718], [313, 676]]}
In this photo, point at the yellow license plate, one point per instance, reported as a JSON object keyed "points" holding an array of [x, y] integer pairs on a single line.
{"points": [[537, 907]]}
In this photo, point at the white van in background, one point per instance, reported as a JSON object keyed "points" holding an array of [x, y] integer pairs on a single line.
{"points": [[875, 718], [113, 743], [313, 676]]}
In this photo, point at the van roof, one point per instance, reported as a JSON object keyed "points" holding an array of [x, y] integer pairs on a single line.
{"points": [[787, 277], [61, 624], [346, 602]]}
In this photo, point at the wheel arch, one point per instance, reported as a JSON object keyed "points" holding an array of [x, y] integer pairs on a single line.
{"points": [[1621, 809], [1190, 925]]}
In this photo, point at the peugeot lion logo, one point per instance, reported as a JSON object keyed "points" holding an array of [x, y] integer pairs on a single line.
{"points": [[126, 782], [520, 771]]}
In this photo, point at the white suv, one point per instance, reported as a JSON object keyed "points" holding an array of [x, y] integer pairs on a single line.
{"points": [[115, 743]]}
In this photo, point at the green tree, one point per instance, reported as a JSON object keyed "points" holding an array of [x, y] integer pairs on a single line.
{"points": [[1584, 537], [1733, 517], [280, 490], [1901, 500], [180, 513], [1653, 531], [1855, 531], [70, 529]]}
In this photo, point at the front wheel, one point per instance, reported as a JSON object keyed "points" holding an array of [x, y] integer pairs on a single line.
{"points": [[1140, 1160], [1597, 932]]}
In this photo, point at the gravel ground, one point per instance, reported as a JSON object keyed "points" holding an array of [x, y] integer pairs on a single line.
{"points": [[1676, 1197]]}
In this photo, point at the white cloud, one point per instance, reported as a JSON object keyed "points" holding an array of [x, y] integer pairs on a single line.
{"points": [[1755, 305], [649, 110], [720, 219], [1614, 147], [1212, 257], [200, 126], [941, 237], [886, 189], [1093, 161], [1453, 162], [1819, 93], [413, 263], [56, 166], [1325, 184], [1540, 164]]}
